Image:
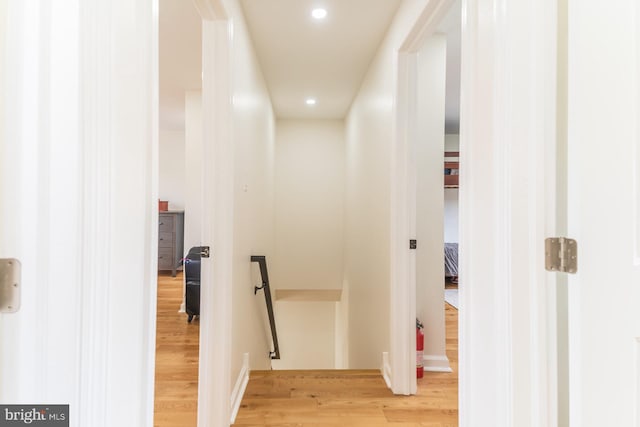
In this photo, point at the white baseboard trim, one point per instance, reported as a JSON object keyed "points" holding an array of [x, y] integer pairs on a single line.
{"points": [[386, 368], [239, 388], [434, 363]]}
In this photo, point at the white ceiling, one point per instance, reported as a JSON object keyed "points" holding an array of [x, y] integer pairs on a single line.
{"points": [[299, 56], [326, 59]]}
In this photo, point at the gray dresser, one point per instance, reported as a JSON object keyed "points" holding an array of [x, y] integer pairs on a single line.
{"points": [[170, 240]]}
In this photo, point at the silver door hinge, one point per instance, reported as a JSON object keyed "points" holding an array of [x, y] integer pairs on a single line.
{"points": [[561, 254], [10, 272]]}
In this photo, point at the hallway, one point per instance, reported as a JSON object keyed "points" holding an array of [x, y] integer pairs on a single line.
{"points": [[302, 398], [352, 398]]}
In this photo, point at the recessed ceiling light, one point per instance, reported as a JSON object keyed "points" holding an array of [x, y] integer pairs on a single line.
{"points": [[310, 101], [319, 13]]}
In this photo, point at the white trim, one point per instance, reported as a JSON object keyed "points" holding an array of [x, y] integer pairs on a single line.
{"points": [[636, 137], [217, 226], [426, 24], [436, 363], [507, 138], [240, 387], [150, 28], [636, 375], [214, 379], [211, 10], [507, 108], [403, 201], [402, 262], [386, 369], [107, 39], [25, 168], [95, 222], [117, 377]]}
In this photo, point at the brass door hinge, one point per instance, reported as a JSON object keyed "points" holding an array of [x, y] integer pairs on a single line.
{"points": [[561, 254], [10, 272]]}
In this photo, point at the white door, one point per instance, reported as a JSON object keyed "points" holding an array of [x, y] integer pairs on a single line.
{"points": [[604, 211], [78, 206], [38, 217]]}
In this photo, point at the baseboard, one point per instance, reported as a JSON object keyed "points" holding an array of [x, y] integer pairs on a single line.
{"points": [[240, 387], [434, 363], [386, 369]]}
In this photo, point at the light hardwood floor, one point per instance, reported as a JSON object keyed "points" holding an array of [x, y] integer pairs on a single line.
{"points": [[177, 346], [295, 398], [352, 398]]}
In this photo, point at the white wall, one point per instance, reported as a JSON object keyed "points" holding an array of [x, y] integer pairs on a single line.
{"points": [[306, 335], [172, 168], [309, 218], [342, 330], [193, 164], [310, 181], [430, 199], [451, 215], [451, 143], [254, 143], [369, 130], [367, 222]]}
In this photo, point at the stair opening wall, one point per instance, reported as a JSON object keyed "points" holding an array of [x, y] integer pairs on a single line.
{"points": [[308, 266]]}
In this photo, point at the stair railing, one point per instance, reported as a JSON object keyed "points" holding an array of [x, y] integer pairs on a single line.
{"points": [[262, 262]]}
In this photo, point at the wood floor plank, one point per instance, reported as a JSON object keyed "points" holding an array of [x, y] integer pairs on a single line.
{"points": [[177, 348], [420, 414]]}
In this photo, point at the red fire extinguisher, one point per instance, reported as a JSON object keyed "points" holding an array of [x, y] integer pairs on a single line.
{"points": [[419, 349]]}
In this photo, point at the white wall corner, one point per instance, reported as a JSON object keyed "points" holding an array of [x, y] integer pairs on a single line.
{"points": [[239, 388], [386, 368], [436, 363]]}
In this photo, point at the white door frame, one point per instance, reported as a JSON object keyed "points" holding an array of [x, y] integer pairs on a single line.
{"points": [[507, 208], [214, 388], [403, 197]]}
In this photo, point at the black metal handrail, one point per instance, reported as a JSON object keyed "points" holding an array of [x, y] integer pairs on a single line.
{"points": [[262, 262]]}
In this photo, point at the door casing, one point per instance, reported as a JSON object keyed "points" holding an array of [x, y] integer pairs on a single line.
{"points": [[507, 344]]}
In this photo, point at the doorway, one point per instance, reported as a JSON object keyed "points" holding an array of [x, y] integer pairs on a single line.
{"points": [[435, 134], [180, 188]]}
